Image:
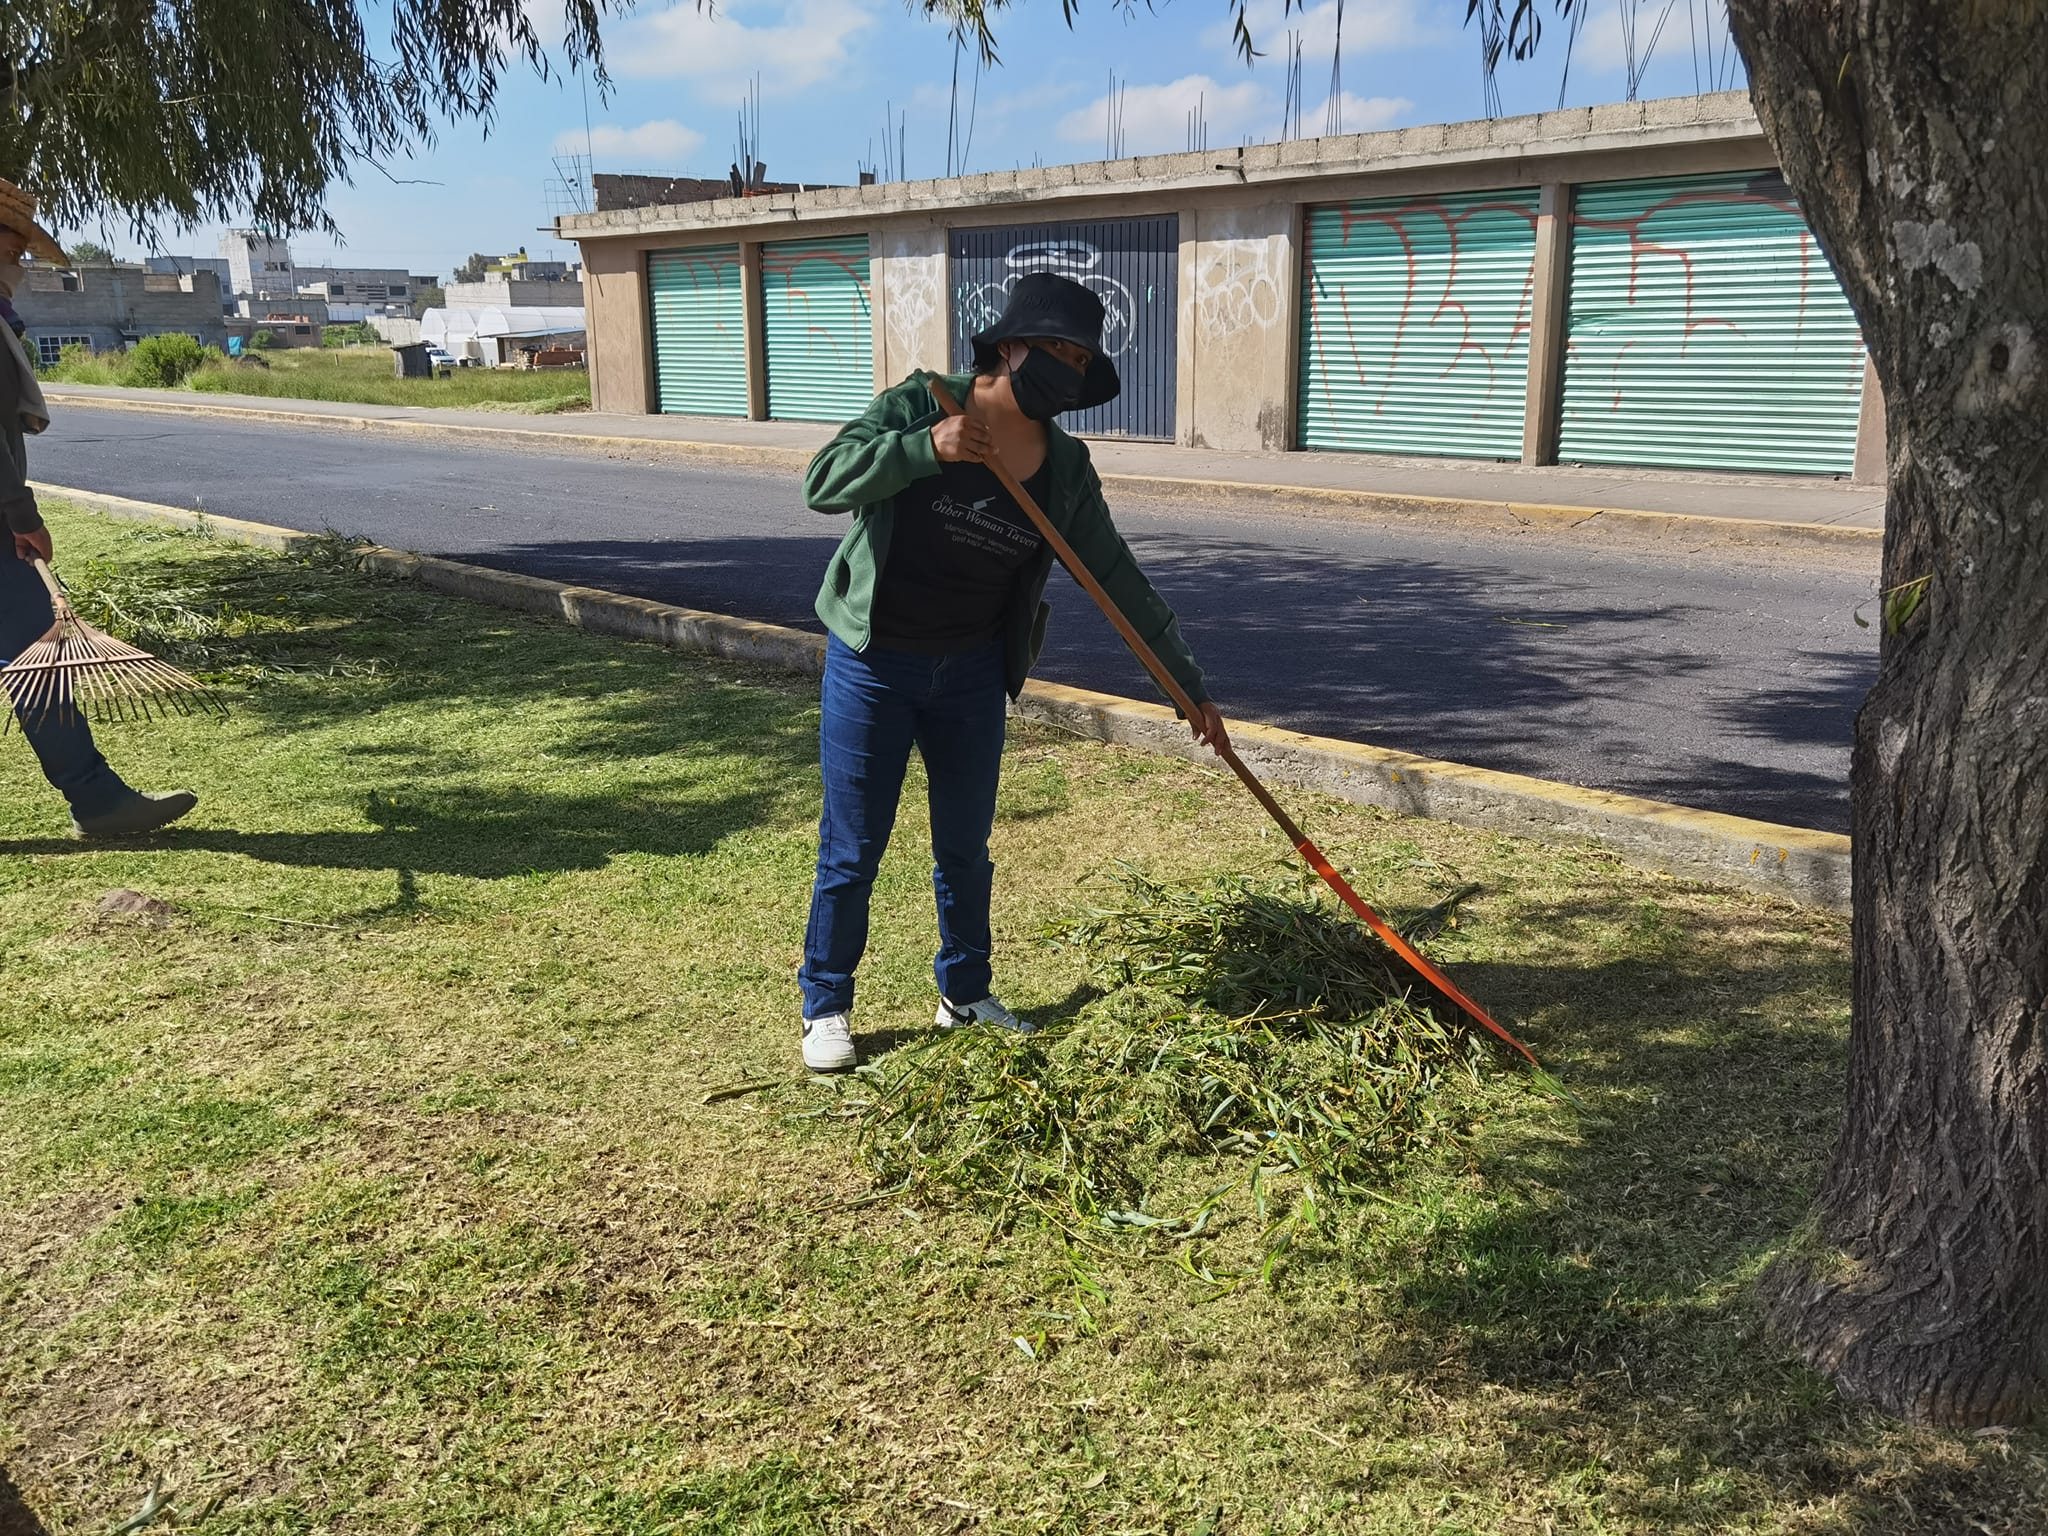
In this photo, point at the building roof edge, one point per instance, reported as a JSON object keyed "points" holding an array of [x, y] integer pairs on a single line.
{"points": [[1721, 117]]}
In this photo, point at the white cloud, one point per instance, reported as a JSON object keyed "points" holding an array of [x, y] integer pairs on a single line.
{"points": [[1361, 114], [1032, 104], [1155, 117], [1004, 128], [664, 143], [790, 44], [1603, 44], [1368, 25]]}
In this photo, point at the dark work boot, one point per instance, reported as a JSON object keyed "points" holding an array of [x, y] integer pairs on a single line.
{"points": [[140, 813]]}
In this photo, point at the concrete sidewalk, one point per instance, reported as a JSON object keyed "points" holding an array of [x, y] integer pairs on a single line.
{"points": [[1365, 480]]}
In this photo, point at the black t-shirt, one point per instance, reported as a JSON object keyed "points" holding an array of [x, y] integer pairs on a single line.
{"points": [[956, 546]]}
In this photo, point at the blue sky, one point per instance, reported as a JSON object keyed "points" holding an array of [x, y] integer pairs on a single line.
{"points": [[828, 67]]}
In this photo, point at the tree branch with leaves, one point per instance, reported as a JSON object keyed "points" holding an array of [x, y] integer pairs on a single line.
{"points": [[182, 111]]}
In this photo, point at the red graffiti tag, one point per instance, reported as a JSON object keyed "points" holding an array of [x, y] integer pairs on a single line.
{"points": [[1396, 222], [849, 260]]}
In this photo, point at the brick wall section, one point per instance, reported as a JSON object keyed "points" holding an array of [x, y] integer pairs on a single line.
{"points": [[660, 191]]}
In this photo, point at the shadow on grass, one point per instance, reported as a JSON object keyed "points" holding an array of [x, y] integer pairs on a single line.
{"points": [[487, 836], [357, 658], [1606, 1277], [16, 1518]]}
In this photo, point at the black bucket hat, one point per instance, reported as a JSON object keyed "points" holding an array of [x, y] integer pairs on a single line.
{"points": [[1044, 304]]}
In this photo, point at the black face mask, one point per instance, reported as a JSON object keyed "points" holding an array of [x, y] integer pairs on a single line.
{"points": [[1044, 386]]}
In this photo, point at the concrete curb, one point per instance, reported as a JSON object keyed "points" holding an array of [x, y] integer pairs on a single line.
{"points": [[1517, 514], [1505, 514], [1793, 863]]}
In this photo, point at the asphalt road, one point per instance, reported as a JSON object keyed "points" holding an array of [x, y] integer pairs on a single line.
{"points": [[1678, 665]]}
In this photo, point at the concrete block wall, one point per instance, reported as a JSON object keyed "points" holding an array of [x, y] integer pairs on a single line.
{"points": [[1240, 260], [115, 307]]}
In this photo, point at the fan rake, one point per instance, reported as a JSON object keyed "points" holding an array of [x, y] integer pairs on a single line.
{"points": [[75, 669]]}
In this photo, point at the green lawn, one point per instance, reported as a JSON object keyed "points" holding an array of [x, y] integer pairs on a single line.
{"points": [[365, 374], [388, 1183]]}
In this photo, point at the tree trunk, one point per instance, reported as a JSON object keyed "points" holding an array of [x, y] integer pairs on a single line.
{"points": [[1916, 134]]}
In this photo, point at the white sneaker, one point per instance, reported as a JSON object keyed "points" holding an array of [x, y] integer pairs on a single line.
{"points": [[828, 1043], [987, 1011]]}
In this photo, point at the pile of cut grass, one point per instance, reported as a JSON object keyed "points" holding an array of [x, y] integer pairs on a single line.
{"points": [[231, 631], [1252, 1047]]}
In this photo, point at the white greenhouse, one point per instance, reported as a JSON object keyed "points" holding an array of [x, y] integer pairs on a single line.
{"points": [[486, 335]]}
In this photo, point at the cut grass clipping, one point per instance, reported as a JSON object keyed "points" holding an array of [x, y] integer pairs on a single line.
{"points": [[1251, 1045], [219, 639]]}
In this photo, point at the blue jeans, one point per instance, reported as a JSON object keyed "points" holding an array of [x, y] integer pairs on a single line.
{"points": [[62, 743], [878, 703]]}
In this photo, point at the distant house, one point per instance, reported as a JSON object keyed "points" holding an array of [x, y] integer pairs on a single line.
{"points": [[259, 265], [357, 293], [262, 275], [286, 329], [111, 308], [504, 291], [185, 266], [522, 268]]}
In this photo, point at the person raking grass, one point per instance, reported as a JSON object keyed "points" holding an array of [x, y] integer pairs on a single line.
{"points": [[935, 606], [102, 805]]}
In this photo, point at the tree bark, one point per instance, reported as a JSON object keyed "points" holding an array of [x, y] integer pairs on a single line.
{"points": [[1916, 135]]}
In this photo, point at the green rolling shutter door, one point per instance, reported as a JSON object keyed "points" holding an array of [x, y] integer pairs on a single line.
{"points": [[1415, 333], [700, 341], [821, 336], [1707, 330]]}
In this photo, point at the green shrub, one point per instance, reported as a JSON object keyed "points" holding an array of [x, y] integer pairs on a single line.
{"points": [[263, 341], [166, 361], [359, 333], [79, 364]]}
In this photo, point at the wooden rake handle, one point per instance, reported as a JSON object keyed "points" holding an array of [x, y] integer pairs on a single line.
{"points": [[58, 600], [1187, 706]]}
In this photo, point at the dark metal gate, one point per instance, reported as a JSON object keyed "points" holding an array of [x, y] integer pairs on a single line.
{"points": [[1133, 266]]}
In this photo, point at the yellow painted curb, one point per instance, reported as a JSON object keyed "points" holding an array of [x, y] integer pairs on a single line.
{"points": [[1798, 863], [1524, 513]]}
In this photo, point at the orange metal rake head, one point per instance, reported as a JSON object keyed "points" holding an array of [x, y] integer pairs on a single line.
{"points": [[76, 670]]}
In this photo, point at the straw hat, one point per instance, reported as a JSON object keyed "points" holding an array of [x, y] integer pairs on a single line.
{"points": [[18, 213]]}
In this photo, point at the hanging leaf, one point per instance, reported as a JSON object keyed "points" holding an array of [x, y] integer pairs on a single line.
{"points": [[1903, 601]]}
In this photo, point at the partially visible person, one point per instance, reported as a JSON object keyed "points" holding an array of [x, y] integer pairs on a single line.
{"points": [[101, 804]]}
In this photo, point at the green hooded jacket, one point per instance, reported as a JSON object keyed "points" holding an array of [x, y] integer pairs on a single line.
{"points": [[890, 445]]}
